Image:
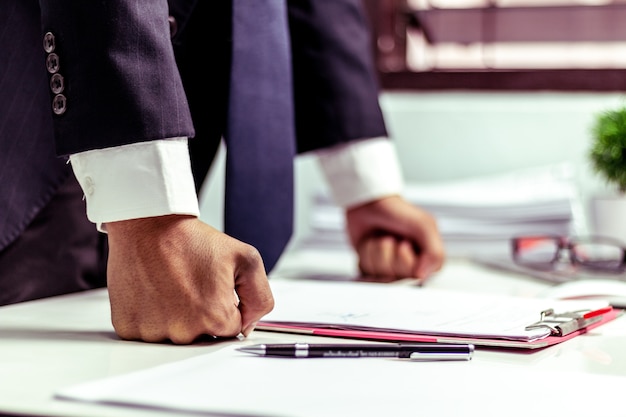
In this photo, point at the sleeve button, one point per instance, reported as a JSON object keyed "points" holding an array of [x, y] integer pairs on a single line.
{"points": [[57, 83], [49, 42], [59, 104], [52, 63]]}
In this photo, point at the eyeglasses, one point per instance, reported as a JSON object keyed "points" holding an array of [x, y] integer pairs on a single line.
{"points": [[551, 253]]}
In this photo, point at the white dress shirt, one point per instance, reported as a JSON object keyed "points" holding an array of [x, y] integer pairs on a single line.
{"points": [[154, 178]]}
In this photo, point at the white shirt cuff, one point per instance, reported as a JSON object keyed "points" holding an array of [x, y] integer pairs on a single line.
{"points": [[362, 171], [143, 179]]}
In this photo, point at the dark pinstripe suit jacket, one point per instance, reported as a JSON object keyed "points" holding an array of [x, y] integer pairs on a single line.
{"points": [[118, 82]]}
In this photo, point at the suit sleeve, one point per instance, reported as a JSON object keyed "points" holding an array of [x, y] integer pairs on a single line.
{"points": [[335, 85], [112, 74]]}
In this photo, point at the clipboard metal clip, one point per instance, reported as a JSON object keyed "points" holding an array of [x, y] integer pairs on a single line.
{"points": [[562, 324]]}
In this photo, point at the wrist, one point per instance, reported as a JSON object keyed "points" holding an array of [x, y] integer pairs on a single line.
{"points": [[146, 225]]}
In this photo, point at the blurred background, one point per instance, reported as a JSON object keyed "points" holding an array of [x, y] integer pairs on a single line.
{"points": [[491, 105]]}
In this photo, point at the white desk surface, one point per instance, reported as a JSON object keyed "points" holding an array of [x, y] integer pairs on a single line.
{"points": [[61, 341]]}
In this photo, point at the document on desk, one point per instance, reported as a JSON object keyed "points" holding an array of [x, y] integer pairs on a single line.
{"points": [[420, 314], [232, 383]]}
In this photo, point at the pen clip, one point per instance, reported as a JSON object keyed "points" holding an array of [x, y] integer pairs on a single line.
{"points": [[439, 356]]}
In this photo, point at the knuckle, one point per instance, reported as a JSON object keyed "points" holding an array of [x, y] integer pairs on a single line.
{"points": [[386, 241], [182, 332], [123, 328], [223, 322], [223, 328], [267, 303], [124, 333], [183, 339], [251, 257]]}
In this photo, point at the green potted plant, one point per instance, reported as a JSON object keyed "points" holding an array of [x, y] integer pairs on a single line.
{"points": [[608, 153], [608, 160]]}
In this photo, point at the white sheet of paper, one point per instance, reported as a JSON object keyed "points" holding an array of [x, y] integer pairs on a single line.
{"points": [[231, 383], [423, 310]]}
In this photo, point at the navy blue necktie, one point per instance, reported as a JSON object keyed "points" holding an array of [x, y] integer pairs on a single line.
{"points": [[260, 136]]}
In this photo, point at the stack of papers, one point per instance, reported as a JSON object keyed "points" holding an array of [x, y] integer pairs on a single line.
{"points": [[231, 383], [484, 210], [362, 310]]}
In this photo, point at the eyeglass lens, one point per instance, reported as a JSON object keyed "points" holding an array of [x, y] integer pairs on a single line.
{"points": [[597, 255], [536, 250]]}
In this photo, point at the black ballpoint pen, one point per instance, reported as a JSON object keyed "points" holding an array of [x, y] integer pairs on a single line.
{"points": [[421, 351]]}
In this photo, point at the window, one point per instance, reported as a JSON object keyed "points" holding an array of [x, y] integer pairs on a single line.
{"points": [[501, 44]]}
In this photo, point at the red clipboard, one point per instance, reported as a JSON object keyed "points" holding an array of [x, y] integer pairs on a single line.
{"points": [[425, 338]]}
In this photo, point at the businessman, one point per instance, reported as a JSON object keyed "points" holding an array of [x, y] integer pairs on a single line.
{"points": [[107, 85], [336, 108]]}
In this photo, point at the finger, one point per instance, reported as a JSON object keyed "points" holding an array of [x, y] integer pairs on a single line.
{"points": [[430, 247], [249, 328], [365, 250], [255, 295], [222, 318], [369, 257], [384, 255], [254, 307], [379, 258], [181, 333], [406, 260], [428, 264], [432, 255]]}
